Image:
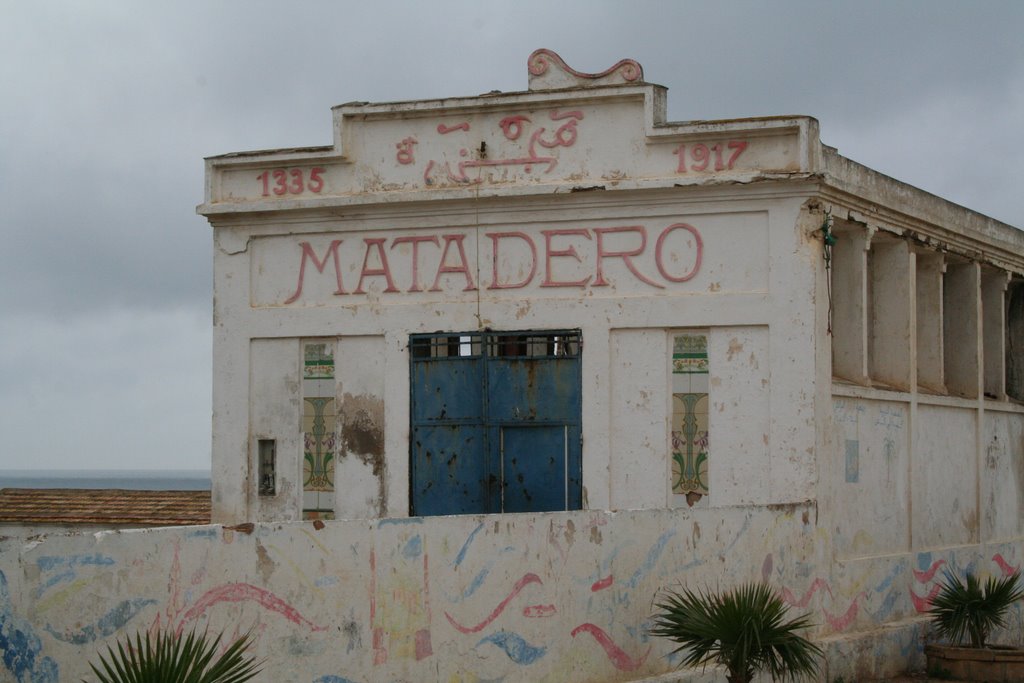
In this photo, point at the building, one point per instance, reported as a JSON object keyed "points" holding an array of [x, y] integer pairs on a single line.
{"points": [[29, 512], [557, 300], [541, 354]]}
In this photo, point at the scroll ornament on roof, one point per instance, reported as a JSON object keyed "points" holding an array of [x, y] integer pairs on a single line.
{"points": [[548, 71]]}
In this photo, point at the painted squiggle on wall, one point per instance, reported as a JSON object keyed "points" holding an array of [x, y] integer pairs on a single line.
{"points": [[515, 646], [110, 623], [244, 592], [66, 568], [616, 655], [20, 647], [526, 580], [1004, 566]]}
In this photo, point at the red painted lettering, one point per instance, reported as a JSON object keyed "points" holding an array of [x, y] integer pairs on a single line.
{"points": [[316, 182], [464, 268], [571, 251], [738, 146], [444, 130], [385, 270], [719, 164], [296, 185], [404, 155], [659, 259], [681, 151], [495, 238], [558, 115], [700, 155], [626, 256], [415, 242], [282, 181], [319, 264], [512, 126]]}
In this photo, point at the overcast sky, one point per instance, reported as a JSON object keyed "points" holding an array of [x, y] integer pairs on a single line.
{"points": [[107, 110]]}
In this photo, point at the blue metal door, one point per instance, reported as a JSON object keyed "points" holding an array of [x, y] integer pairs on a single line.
{"points": [[495, 422]]}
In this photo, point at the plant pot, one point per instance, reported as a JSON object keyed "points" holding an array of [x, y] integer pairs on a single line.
{"points": [[992, 664]]}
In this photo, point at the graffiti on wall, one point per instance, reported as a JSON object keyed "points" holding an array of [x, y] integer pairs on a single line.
{"points": [[542, 597]]}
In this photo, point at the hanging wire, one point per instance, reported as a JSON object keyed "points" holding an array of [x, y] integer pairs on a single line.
{"points": [[829, 241]]}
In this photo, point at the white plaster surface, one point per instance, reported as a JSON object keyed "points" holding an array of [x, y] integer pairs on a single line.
{"points": [[639, 373], [870, 469], [740, 420], [1002, 495], [275, 372], [945, 465]]}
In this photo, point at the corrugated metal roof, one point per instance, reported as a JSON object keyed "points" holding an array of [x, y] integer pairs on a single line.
{"points": [[113, 507]]}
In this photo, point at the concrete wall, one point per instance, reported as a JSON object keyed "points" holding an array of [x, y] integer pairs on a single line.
{"points": [[537, 597], [923, 474]]}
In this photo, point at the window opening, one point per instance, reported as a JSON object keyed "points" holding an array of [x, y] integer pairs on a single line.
{"points": [[889, 314], [1015, 340], [267, 453], [993, 324], [849, 287], [961, 302]]}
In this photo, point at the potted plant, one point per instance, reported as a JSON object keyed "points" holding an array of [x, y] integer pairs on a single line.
{"points": [[745, 630], [170, 657], [969, 609]]}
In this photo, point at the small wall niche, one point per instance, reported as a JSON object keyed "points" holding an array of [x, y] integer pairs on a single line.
{"points": [[266, 450]]}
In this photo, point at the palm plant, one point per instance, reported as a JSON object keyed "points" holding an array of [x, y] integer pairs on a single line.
{"points": [[967, 608], [171, 658], [744, 630]]}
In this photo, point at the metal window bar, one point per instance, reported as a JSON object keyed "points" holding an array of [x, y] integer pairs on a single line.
{"points": [[555, 344], [542, 344], [455, 345]]}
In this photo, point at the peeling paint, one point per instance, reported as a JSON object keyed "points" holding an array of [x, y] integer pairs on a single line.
{"points": [[362, 435], [264, 562], [735, 347]]}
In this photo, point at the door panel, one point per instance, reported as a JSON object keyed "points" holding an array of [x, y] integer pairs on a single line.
{"points": [[495, 422], [448, 389], [449, 476], [534, 463], [545, 389]]}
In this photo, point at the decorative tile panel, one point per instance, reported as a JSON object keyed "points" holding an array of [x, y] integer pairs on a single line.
{"points": [[689, 433], [319, 361], [319, 430]]}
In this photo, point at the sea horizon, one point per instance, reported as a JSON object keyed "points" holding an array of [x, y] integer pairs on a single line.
{"points": [[134, 479]]}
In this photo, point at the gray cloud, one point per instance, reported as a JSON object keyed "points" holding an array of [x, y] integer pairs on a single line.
{"points": [[107, 109]]}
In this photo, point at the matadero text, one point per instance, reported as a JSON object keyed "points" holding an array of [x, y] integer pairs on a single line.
{"points": [[564, 257]]}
